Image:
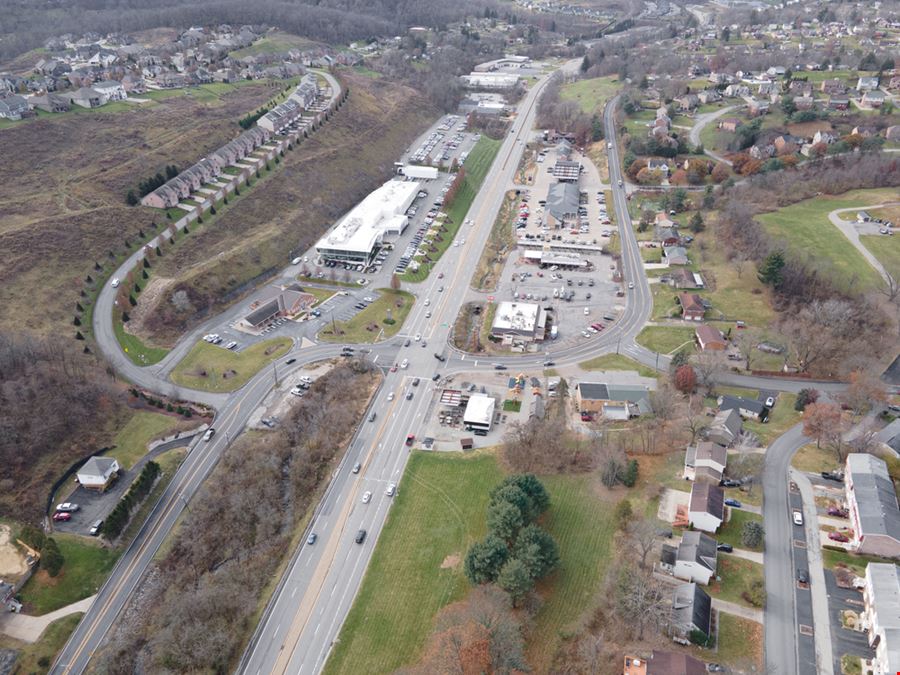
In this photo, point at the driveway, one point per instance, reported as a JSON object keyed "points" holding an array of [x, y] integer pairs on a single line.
{"points": [[849, 230], [700, 123]]}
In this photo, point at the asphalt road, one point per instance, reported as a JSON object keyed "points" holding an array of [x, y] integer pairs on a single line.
{"points": [[316, 592]]}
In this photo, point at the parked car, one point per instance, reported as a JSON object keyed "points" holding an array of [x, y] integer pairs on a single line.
{"points": [[730, 482], [832, 475], [797, 518], [725, 548], [838, 511], [770, 402], [67, 507], [838, 536], [802, 576], [63, 516], [733, 502], [95, 528]]}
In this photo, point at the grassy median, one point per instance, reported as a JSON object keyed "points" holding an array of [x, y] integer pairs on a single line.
{"points": [[617, 362], [210, 367]]}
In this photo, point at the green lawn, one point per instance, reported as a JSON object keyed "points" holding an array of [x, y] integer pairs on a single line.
{"points": [[808, 231], [32, 657], [617, 362], [857, 563], [273, 44], [813, 460], [438, 512], [134, 348], [591, 94], [86, 567], [665, 339], [370, 324], [730, 532], [737, 575], [739, 644], [322, 294], [886, 250], [510, 405], [211, 368], [781, 418], [477, 164], [131, 441]]}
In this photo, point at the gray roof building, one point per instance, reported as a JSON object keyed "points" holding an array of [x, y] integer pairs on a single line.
{"points": [[872, 502], [691, 609], [562, 202]]}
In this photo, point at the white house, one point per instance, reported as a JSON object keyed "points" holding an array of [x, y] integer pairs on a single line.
{"points": [[695, 559], [114, 91], [707, 506], [706, 459], [881, 616], [98, 473]]}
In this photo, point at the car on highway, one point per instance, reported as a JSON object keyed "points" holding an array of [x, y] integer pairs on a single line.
{"points": [[372, 416], [290, 361], [409, 395], [404, 363], [296, 261], [63, 516], [418, 336], [609, 146], [114, 283], [406, 342], [499, 366], [367, 497], [733, 502], [427, 301], [390, 396], [547, 364], [209, 434], [356, 468], [838, 536], [311, 539], [415, 382], [630, 284], [440, 275], [440, 357], [391, 489], [94, 529], [394, 368], [360, 536], [67, 507], [435, 377], [797, 517], [410, 439]]}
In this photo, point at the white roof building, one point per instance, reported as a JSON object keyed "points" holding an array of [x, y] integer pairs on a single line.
{"points": [[479, 414], [98, 472], [491, 80], [519, 320], [357, 234], [881, 617]]}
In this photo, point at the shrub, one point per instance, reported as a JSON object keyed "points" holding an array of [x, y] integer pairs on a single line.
{"points": [[51, 558], [752, 534]]}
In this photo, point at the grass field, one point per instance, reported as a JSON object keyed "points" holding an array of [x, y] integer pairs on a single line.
{"points": [[665, 339], [211, 368], [86, 567], [143, 427], [730, 532], [134, 347], [591, 94], [809, 233], [477, 164], [273, 43], [811, 459], [438, 513], [369, 325], [740, 643], [617, 362], [886, 250], [737, 575], [33, 657], [857, 563]]}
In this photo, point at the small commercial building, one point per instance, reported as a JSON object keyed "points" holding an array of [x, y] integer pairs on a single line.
{"points": [[561, 209], [519, 322], [881, 616], [564, 261], [491, 80], [358, 236], [566, 171], [479, 414], [872, 502], [98, 473], [275, 302], [611, 400]]}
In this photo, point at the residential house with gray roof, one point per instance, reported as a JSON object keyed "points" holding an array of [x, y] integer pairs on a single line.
{"points": [[872, 502]]}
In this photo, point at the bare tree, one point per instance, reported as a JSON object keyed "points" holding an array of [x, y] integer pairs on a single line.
{"points": [[708, 365], [642, 536], [641, 600]]}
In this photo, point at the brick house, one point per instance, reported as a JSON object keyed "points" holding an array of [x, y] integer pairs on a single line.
{"points": [[692, 307]]}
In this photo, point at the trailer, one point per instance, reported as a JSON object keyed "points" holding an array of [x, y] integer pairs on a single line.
{"points": [[420, 172]]}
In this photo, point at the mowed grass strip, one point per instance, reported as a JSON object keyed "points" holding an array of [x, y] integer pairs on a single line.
{"points": [[730, 532], [371, 324], [86, 566], [665, 339], [416, 569], [132, 439], [737, 576], [477, 164], [886, 249], [591, 94], [806, 228], [134, 348], [739, 643], [617, 362], [212, 368]]}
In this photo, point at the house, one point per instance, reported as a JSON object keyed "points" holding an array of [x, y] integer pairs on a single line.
{"points": [[864, 132], [872, 502], [14, 107], [804, 103], [53, 103], [757, 108], [725, 428], [275, 302], [730, 124], [611, 400], [708, 96], [867, 83], [839, 102], [112, 90], [705, 460], [664, 663], [163, 197], [667, 236], [881, 616], [892, 133], [767, 88], [894, 83], [98, 473], [683, 278], [687, 102], [710, 339], [747, 408], [692, 307], [737, 90], [691, 610], [654, 164], [695, 558], [787, 144], [675, 255], [833, 87], [872, 99], [706, 510], [87, 98], [823, 137]]}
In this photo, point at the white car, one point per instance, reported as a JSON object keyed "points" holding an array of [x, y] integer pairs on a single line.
{"points": [[404, 363], [427, 302], [367, 497], [295, 261], [798, 518], [115, 283], [390, 396], [630, 284], [67, 507], [209, 434], [391, 489], [586, 311], [418, 337]]}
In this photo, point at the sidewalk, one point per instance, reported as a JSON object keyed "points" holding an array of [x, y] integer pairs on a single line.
{"points": [[29, 628], [738, 610], [821, 617], [752, 556]]}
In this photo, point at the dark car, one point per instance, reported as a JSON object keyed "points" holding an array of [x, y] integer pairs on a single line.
{"points": [[435, 377], [410, 440], [830, 475], [499, 366], [360, 536], [802, 576], [733, 502], [440, 357], [547, 364], [415, 382], [290, 361], [730, 482], [409, 395], [725, 548]]}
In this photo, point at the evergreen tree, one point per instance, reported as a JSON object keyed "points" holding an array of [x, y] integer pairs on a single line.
{"points": [[771, 272]]}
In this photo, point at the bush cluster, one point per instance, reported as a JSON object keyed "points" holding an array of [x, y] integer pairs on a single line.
{"points": [[116, 521]]}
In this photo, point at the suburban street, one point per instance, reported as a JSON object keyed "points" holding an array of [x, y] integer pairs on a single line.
{"points": [[318, 588]]}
